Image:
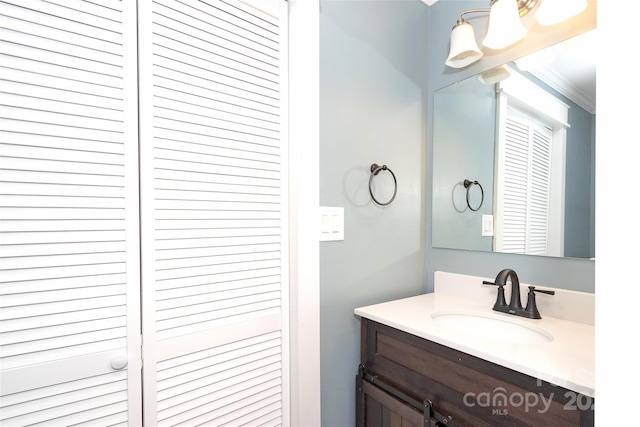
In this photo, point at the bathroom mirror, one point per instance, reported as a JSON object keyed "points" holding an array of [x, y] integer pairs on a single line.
{"points": [[513, 158]]}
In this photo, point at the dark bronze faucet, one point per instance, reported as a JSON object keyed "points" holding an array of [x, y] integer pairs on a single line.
{"points": [[515, 305]]}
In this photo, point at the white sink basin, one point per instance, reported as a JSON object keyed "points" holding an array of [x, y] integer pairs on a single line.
{"points": [[492, 327]]}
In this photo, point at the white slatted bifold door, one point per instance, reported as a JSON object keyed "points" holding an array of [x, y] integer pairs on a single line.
{"points": [[69, 220], [523, 186], [214, 244]]}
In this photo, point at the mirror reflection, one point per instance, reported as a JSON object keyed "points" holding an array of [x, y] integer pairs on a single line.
{"points": [[513, 156]]}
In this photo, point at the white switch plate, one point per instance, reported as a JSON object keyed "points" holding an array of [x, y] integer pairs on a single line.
{"points": [[487, 225], [331, 223]]}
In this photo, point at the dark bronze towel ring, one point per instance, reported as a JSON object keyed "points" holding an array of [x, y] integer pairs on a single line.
{"points": [[375, 169], [467, 184]]}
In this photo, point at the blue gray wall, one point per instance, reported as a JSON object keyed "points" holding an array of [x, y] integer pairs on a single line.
{"points": [[580, 203], [372, 96]]}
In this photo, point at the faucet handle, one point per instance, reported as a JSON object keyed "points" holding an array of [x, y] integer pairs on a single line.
{"points": [[531, 311], [542, 291], [500, 300]]}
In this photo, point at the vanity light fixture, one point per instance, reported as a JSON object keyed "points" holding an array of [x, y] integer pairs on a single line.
{"points": [[505, 26]]}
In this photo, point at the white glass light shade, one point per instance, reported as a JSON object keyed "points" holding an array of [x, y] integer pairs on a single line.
{"points": [[505, 27], [554, 11], [464, 50]]}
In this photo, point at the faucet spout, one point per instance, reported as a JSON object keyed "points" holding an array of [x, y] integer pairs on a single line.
{"points": [[515, 305], [501, 279]]}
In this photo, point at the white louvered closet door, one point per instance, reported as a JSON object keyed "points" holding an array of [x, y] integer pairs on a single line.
{"points": [[69, 284], [214, 244], [523, 187]]}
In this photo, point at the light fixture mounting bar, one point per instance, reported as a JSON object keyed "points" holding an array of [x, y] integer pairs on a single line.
{"points": [[461, 20], [524, 6]]}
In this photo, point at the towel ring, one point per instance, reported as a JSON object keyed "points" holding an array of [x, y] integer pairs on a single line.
{"points": [[467, 185], [375, 169]]}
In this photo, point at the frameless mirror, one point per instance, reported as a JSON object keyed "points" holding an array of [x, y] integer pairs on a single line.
{"points": [[513, 156]]}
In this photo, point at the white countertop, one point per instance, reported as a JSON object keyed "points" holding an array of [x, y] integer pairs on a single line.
{"points": [[567, 360]]}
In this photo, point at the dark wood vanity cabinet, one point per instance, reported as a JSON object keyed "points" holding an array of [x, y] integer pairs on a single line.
{"points": [[405, 380]]}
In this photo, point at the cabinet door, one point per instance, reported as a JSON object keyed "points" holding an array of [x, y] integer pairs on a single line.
{"points": [[70, 330], [383, 410], [213, 158]]}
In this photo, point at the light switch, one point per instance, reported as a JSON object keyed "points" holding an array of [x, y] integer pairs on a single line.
{"points": [[331, 223], [325, 223], [487, 225]]}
